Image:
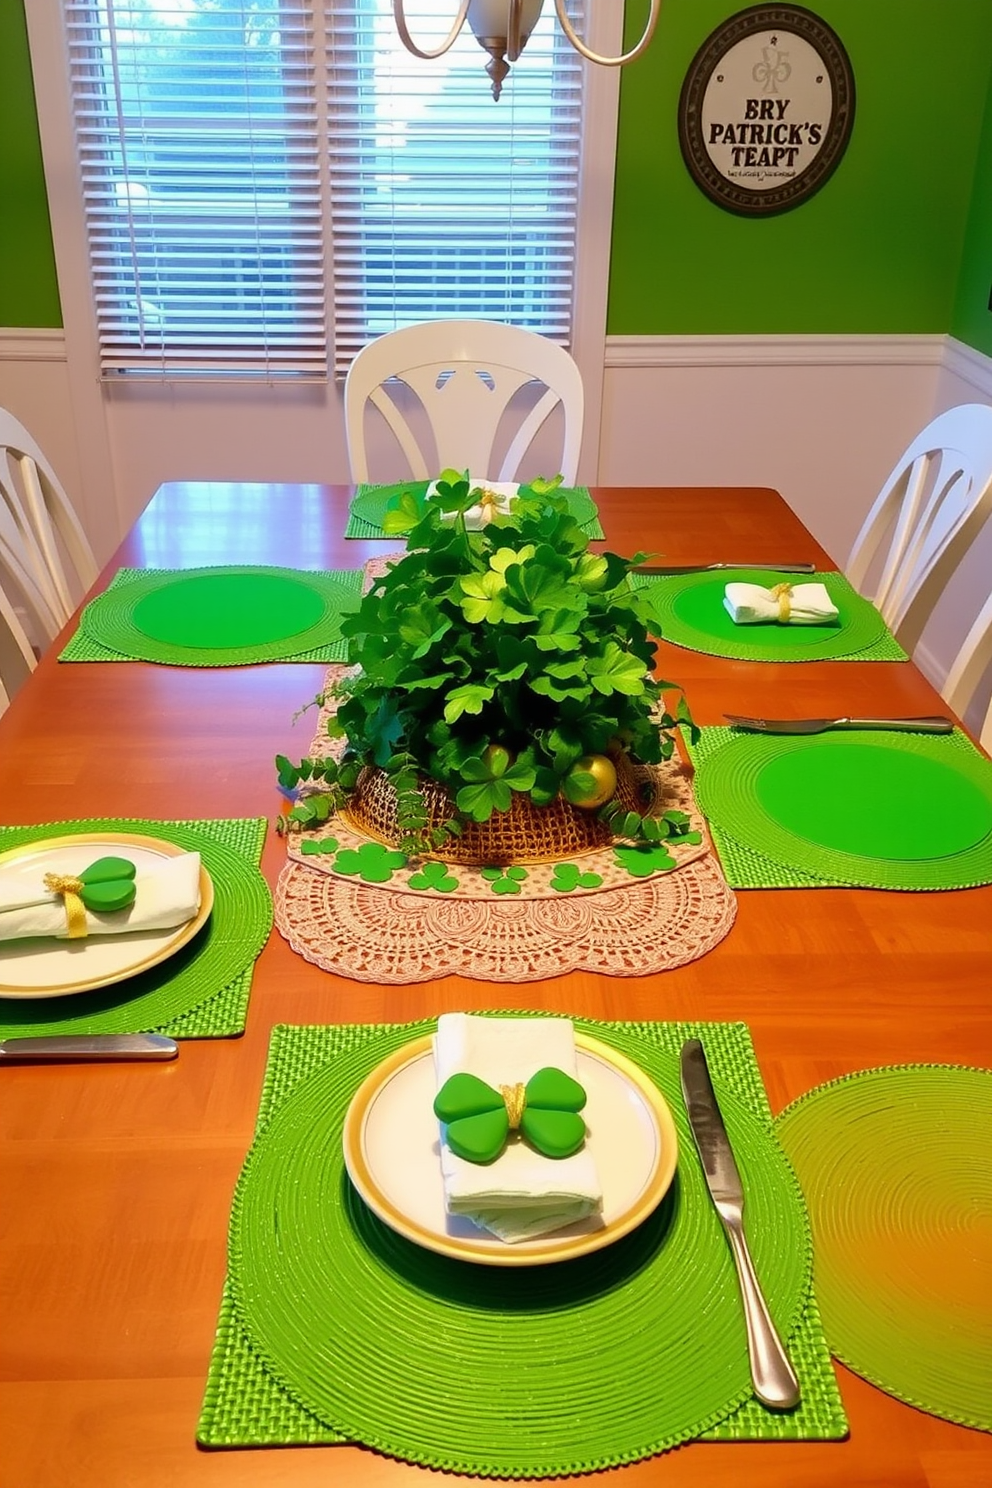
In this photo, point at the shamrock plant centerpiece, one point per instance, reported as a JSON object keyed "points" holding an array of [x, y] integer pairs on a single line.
{"points": [[500, 694]]}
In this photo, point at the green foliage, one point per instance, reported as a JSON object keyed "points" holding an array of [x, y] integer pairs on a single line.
{"points": [[491, 660]]}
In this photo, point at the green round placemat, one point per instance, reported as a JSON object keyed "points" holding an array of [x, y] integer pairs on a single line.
{"points": [[692, 614], [507, 1372], [238, 927], [214, 611], [895, 1167], [232, 614], [880, 810]]}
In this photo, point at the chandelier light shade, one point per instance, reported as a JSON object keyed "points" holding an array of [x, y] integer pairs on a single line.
{"points": [[502, 27]]}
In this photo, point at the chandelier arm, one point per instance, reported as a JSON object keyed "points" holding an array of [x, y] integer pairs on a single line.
{"points": [[592, 56], [404, 34]]}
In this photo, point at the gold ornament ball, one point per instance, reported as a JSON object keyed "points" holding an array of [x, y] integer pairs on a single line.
{"points": [[604, 774]]}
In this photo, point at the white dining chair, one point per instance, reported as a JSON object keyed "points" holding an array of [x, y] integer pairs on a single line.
{"points": [[17, 659], [451, 382], [39, 533], [970, 666], [930, 510]]}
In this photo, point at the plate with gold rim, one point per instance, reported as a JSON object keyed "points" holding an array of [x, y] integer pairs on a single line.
{"points": [[49, 968], [392, 1152]]}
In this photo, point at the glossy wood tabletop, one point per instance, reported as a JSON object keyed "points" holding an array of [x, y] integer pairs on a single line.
{"points": [[117, 1180]]}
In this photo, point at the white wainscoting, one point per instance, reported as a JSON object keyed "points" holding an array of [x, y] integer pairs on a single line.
{"points": [[821, 419]]}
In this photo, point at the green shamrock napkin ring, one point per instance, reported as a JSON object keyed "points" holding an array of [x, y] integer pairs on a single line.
{"points": [[479, 1119], [105, 886]]}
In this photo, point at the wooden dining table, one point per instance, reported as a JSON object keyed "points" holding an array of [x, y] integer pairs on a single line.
{"points": [[117, 1179]]}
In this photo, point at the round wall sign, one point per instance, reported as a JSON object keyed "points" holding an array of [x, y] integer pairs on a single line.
{"points": [[766, 109]]}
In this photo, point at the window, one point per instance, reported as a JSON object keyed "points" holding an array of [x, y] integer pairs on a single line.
{"points": [[238, 155]]}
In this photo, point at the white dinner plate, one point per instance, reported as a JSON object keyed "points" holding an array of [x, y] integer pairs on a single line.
{"points": [[58, 968], [392, 1150]]}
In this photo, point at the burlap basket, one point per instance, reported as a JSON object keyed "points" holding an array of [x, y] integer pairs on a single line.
{"points": [[524, 834]]}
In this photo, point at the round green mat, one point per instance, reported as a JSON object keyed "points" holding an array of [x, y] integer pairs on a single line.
{"points": [[690, 608], [228, 609], [895, 1167], [233, 613], [512, 1372], [232, 937], [891, 811]]}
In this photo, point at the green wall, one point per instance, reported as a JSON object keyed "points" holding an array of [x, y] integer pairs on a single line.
{"points": [[898, 240], [878, 249], [29, 294], [972, 322]]}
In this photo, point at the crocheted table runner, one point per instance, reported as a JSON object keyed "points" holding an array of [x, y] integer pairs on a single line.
{"points": [[368, 507], [334, 1328], [230, 615], [200, 992], [875, 810], [895, 1166], [691, 614]]}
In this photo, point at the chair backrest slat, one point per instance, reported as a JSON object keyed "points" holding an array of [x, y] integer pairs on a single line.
{"points": [[934, 504], [35, 516], [459, 377]]}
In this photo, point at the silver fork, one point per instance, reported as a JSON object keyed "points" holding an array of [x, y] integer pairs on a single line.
{"points": [[932, 724]]}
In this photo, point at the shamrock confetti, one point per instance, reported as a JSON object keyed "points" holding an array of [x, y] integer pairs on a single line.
{"points": [[567, 877], [433, 876], [505, 881], [312, 845], [644, 860], [372, 862]]}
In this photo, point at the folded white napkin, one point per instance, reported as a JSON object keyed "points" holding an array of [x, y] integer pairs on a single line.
{"points": [[522, 1193], [166, 895], [807, 604], [477, 516]]}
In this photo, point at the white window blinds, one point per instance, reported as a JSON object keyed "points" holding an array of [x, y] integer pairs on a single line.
{"points": [[444, 203], [197, 136], [218, 138]]}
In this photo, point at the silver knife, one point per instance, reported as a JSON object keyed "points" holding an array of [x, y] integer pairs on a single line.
{"points": [[687, 568], [774, 1378], [75, 1047]]}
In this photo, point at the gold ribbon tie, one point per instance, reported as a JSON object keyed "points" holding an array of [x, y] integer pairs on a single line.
{"points": [[515, 1100], [70, 889], [489, 504], [783, 593]]}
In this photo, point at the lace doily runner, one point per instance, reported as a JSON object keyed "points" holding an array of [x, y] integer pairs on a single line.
{"points": [[487, 925], [372, 933]]}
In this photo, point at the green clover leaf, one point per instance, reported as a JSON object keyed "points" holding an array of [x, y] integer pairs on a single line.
{"points": [[372, 862], [505, 880], [503, 557], [433, 876], [567, 877], [311, 846], [468, 698], [617, 671], [483, 597], [644, 860], [402, 513]]}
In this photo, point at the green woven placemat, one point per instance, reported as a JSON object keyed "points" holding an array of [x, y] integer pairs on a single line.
{"points": [[895, 1166], [201, 991], [259, 613], [368, 507], [759, 850], [691, 614], [333, 1328]]}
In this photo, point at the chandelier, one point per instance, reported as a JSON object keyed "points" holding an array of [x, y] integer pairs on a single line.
{"points": [[502, 27]]}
